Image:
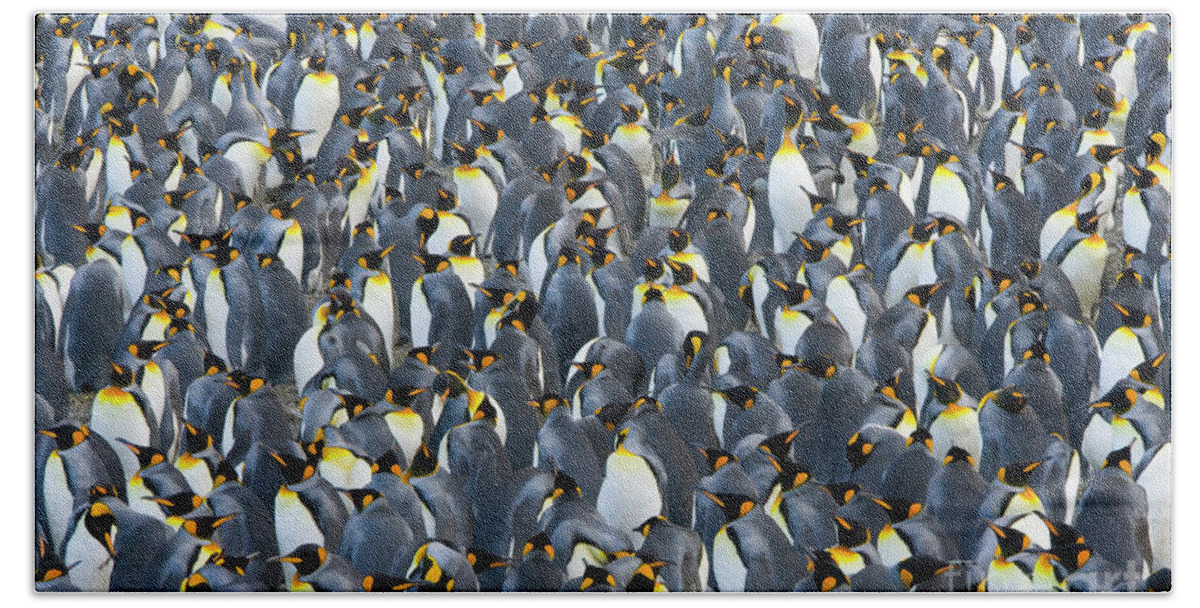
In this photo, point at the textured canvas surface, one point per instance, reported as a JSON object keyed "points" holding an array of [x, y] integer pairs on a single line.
{"points": [[603, 302]]}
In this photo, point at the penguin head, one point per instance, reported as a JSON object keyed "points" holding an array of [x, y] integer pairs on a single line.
{"points": [[480, 359], [400, 396], [424, 463], [1087, 222], [564, 485], [1037, 352], [733, 506], [1017, 474], [101, 524], [180, 503], [842, 492], [1030, 300], [589, 369], [858, 451], [1009, 541], [778, 447], [826, 574], [144, 349], [546, 403], [1147, 371], [645, 578], [243, 383], [899, 510], [822, 366], [1068, 545], [204, 526], [945, 390], [119, 375], [294, 470], [307, 558], [920, 295], [917, 569], [520, 311], [716, 457], [1007, 398], [681, 274], [791, 475], [795, 293], [1132, 316], [851, 533], [595, 578], [195, 440], [921, 437], [957, 454], [742, 396], [146, 456], [613, 414], [482, 560], [538, 543], [652, 270], [66, 435], [1119, 459], [362, 498], [1104, 153]]}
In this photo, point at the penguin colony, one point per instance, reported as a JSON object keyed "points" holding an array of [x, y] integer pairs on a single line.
{"points": [[603, 302]]}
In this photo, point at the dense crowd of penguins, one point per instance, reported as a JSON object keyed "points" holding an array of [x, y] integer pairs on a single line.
{"points": [[603, 302]]}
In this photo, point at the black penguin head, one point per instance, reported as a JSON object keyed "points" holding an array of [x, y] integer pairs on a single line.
{"points": [[195, 440], [613, 414], [1007, 398], [144, 349], [917, 569], [1068, 545], [1119, 459], [652, 270], [1030, 300], [742, 396], [363, 497], [826, 574], [921, 294], [1087, 222], [812, 250], [945, 390], [480, 359], [821, 366], [539, 543], [733, 506], [779, 446], [957, 454], [424, 463], [716, 457], [1104, 153], [294, 470], [596, 577], [678, 240], [851, 533], [1147, 371], [1009, 541], [307, 558], [146, 455], [423, 354], [373, 260], [243, 383], [858, 451], [899, 510], [643, 579], [1132, 316], [682, 274], [179, 504], [1037, 352], [791, 475], [100, 523], [1017, 474], [522, 310], [921, 437], [119, 375], [66, 435], [794, 293], [842, 492], [653, 294], [431, 262], [482, 560], [221, 253], [546, 403], [204, 526]]}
